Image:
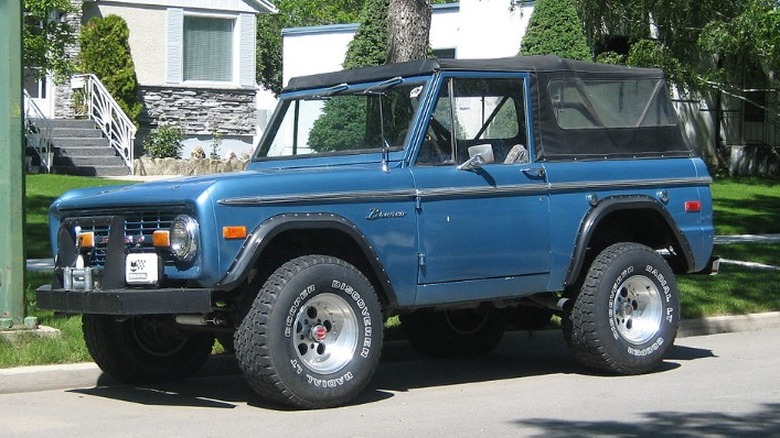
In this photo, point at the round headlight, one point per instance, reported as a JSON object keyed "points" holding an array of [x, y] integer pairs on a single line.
{"points": [[184, 238]]}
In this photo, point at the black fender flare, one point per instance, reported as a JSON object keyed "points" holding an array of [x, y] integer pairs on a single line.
{"points": [[610, 205], [265, 232]]}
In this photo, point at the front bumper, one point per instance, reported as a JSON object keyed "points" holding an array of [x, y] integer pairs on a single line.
{"points": [[127, 302]]}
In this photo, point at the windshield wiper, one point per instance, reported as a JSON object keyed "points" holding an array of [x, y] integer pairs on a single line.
{"points": [[382, 86], [332, 90]]}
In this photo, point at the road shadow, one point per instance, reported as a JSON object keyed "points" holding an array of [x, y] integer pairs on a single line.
{"points": [[763, 423], [220, 385]]}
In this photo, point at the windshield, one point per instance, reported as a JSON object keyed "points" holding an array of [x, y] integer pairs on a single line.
{"points": [[344, 119]]}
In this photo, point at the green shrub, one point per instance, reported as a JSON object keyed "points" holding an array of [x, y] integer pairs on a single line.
{"points": [[369, 47], [555, 28], [164, 142], [105, 53]]}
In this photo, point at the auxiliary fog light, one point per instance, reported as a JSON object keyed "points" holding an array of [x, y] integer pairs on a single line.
{"points": [[184, 238]]}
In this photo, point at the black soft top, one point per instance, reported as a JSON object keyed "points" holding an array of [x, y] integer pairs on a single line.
{"points": [[542, 64], [553, 139]]}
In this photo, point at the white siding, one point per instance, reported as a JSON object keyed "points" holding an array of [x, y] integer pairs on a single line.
{"points": [[246, 51], [174, 31]]}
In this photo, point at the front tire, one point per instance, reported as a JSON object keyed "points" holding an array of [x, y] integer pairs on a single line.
{"points": [[313, 335], [626, 314], [142, 349]]}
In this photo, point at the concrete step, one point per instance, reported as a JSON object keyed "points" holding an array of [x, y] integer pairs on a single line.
{"points": [[81, 142], [73, 123], [92, 132]]}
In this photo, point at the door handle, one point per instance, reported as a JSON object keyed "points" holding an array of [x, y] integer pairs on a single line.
{"points": [[534, 172]]}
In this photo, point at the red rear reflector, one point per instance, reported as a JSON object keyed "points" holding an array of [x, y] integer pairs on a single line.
{"points": [[692, 206]]}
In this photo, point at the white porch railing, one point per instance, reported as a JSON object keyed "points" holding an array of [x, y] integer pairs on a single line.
{"points": [[94, 101], [37, 131]]}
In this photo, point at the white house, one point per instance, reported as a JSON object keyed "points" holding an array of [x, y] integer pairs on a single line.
{"points": [[195, 64], [469, 29]]}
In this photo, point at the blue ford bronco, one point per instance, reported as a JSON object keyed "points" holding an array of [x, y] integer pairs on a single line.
{"points": [[465, 196]]}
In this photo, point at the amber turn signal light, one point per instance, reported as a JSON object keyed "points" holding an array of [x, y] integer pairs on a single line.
{"points": [[234, 232], [87, 240], [161, 239]]}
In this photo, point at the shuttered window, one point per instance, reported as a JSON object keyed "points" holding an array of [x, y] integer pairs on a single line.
{"points": [[208, 49]]}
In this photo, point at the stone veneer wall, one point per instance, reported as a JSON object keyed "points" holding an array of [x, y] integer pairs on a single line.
{"points": [[200, 111], [63, 95]]}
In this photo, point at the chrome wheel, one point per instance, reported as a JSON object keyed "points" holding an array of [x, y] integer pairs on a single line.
{"points": [[638, 309], [326, 333]]}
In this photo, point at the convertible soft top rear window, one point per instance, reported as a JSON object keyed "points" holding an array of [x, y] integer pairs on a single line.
{"points": [[625, 103]]}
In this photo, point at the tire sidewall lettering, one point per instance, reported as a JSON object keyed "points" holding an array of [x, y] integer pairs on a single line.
{"points": [[663, 280], [345, 286]]}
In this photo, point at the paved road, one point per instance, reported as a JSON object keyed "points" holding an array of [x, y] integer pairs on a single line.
{"points": [[719, 385]]}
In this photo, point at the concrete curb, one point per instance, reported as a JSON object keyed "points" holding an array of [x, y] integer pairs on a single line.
{"points": [[88, 375], [728, 324]]}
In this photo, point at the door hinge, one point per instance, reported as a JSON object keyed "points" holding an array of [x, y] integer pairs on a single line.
{"points": [[421, 259]]}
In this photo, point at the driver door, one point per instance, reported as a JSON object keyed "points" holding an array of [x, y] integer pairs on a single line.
{"points": [[488, 223]]}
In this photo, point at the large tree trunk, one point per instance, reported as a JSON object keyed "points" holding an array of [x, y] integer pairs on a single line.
{"points": [[409, 25]]}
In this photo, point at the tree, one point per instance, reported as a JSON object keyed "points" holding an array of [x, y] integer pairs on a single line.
{"points": [[46, 38], [555, 28], [408, 29], [749, 41], [369, 46], [295, 13], [105, 52], [659, 33]]}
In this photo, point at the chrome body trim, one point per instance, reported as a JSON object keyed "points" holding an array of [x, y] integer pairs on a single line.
{"points": [[454, 192]]}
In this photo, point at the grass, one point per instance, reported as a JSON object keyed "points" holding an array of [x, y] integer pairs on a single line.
{"points": [[746, 205], [42, 190], [742, 206]]}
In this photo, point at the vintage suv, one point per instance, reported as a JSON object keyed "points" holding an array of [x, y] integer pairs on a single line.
{"points": [[462, 195]]}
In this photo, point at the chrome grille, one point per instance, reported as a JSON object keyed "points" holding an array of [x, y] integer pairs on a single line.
{"points": [[139, 227]]}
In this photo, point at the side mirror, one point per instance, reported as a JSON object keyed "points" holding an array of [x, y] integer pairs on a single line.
{"points": [[478, 156]]}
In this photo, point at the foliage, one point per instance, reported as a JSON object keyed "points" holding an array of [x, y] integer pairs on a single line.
{"points": [[342, 123], [164, 142], [689, 39], [216, 145], [294, 13], [555, 28], [341, 126], [369, 47], [44, 40], [105, 52], [748, 41]]}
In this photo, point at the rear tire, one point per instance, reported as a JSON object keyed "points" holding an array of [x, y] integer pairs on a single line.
{"points": [[626, 314], [142, 349], [313, 335], [452, 333]]}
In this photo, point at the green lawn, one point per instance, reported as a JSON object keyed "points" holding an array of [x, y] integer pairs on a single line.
{"points": [[742, 206], [42, 190], [746, 205]]}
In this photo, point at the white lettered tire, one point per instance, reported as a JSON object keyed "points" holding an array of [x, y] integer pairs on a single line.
{"points": [[626, 314], [313, 335]]}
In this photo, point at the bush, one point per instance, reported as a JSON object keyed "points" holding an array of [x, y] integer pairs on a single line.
{"points": [[164, 142], [555, 28], [105, 53]]}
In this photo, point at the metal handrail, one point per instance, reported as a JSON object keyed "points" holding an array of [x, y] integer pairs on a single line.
{"points": [[37, 131], [101, 107]]}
